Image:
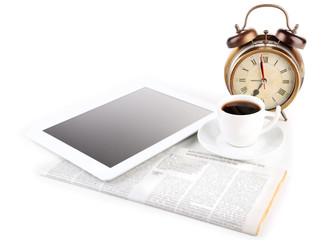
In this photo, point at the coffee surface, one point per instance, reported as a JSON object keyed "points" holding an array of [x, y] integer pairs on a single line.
{"points": [[241, 108]]}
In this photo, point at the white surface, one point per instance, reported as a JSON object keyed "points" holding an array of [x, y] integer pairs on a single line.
{"points": [[99, 169], [210, 137], [56, 54]]}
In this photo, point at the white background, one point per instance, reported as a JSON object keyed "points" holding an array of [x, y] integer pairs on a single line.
{"points": [[57, 54]]}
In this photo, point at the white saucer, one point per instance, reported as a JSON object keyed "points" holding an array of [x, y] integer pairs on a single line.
{"points": [[210, 138]]}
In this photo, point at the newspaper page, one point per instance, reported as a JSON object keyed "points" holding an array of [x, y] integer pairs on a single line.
{"points": [[225, 192]]}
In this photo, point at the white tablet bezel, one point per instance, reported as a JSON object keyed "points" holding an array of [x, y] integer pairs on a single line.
{"points": [[98, 169]]}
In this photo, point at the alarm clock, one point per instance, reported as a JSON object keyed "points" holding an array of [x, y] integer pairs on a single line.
{"points": [[267, 66]]}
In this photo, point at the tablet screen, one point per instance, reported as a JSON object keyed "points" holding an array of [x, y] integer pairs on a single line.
{"points": [[117, 130]]}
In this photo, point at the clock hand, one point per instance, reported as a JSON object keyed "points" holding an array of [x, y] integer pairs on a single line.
{"points": [[256, 91], [263, 73]]}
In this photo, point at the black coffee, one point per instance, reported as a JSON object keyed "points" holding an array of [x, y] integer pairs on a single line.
{"points": [[241, 108]]}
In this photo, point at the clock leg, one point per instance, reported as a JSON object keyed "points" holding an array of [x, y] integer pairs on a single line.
{"points": [[284, 115]]}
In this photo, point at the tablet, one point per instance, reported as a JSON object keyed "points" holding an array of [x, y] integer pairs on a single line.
{"points": [[111, 136]]}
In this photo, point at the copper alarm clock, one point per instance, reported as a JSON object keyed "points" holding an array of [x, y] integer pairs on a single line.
{"points": [[267, 66]]}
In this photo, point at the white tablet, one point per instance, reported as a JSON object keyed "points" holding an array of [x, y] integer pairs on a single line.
{"points": [[109, 137]]}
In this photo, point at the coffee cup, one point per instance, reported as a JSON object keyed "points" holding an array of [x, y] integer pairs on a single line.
{"points": [[241, 119]]}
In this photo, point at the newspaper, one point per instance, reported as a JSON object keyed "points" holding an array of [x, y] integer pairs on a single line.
{"points": [[225, 192]]}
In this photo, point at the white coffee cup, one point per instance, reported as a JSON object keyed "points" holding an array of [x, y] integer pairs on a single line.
{"points": [[244, 130]]}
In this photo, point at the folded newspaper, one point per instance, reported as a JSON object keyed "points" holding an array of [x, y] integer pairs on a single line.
{"points": [[225, 192]]}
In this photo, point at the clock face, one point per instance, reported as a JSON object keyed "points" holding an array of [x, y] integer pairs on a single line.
{"points": [[265, 74]]}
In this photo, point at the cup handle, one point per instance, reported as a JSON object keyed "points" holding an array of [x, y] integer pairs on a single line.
{"points": [[275, 116]]}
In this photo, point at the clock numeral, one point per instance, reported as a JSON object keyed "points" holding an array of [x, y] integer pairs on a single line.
{"points": [[286, 81], [265, 59], [241, 80], [283, 71], [281, 91], [276, 63], [254, 62], [245, 69], [274, 99], [244, 89]]}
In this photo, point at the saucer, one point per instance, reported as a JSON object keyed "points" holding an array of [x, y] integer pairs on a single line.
{"points": [[210, 138]]}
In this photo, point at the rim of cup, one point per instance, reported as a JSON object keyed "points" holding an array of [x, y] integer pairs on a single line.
{"points": [[234, 98]]}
